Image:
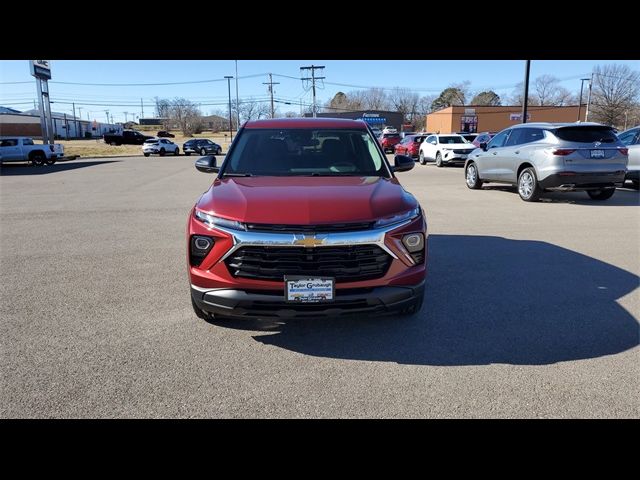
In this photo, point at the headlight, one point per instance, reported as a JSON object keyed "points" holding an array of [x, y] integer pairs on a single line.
{"points": [[410, 215], [212, 221]]}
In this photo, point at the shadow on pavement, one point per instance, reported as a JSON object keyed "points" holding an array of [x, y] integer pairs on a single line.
{"points": [[624, 197], [8, 169], [488, 300]]}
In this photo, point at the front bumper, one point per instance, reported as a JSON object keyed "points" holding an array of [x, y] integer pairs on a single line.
{"points": [[582, 181], [271, 304], [451, 157]]}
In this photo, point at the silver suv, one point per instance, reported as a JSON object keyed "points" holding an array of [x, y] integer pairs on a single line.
{"points": [[631, 138], [551, 156]]}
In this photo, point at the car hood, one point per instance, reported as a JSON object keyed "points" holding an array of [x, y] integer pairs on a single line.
{"points": [[306, 200]]}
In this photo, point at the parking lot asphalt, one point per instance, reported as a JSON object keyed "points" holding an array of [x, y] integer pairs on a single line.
{"points": [[531, 309]]}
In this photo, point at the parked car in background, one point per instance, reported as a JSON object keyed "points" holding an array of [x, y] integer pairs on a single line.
{"points": [[306, 218], [376, 131], [406, 134], [551, 156], [410, 145], [389, 130], [201, 146], [128, 137], [23, 149], [631, 138], [165, 134], [388, 141], [161, 146], [469, 137], [444, 149], [484, 137]]}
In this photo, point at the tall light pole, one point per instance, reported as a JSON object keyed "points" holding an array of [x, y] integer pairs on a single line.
{"points": [[582, 80], [526, 91], [229, 77], [237, 100]]}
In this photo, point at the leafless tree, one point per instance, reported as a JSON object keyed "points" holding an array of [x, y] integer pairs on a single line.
{"points": [[548, 91], [162, 107], [186, 115], [404, 101], [615, 91], [251, 109]]}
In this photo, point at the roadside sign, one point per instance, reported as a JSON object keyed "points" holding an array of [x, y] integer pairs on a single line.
{"points": [[41, 69]]}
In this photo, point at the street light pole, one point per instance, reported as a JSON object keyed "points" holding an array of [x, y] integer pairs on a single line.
{"points": [[582, 80], [237, 100], [229, 77], [526, 92]]}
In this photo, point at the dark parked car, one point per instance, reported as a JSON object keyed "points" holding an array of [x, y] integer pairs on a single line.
{"points": [[165, 134], [128, 137], [202, 146]]}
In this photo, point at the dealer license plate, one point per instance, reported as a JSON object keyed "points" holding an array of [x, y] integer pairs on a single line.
{"points": [[309, 290], [597, 153]]}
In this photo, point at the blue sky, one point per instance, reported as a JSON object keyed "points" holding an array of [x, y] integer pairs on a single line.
{"points": [[425, 76]]}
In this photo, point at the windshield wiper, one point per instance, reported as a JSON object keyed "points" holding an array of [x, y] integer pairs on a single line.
{"points": [[237, 175]]}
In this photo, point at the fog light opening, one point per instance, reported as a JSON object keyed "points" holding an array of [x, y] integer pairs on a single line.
{"points": [[413, 241]]}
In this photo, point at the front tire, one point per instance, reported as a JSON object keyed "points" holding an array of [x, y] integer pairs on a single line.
{"points": [[421, 159], [187, 153], [602, 194], [176, 152], [203, 152], [439, 160], [162, 152], [528, 187], [472, 178], [147, 154], [219, 151], [37, 159], [50, 161]]}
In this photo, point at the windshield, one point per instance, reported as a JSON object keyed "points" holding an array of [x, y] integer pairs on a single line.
{"points": [[291, 152], [452, 139]]}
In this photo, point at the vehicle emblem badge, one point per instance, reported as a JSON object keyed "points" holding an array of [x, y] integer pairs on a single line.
{"points": [[308, 241], [597, 144]]}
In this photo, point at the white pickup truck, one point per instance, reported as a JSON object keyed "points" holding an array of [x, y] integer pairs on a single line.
{"points": [[23, 149]]}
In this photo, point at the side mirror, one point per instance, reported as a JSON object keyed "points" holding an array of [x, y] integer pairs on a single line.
{"points": [[403, 163], [483, 146], [207, 164]]}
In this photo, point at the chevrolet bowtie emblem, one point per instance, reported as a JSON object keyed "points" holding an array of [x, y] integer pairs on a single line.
{"points": [[308, 241]]}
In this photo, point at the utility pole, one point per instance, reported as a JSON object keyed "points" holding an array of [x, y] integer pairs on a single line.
{"points": [[75, 120], [107, 112], [313, 79], [141, 108], [526, 92], [271, 83], [586, 115], [229, 77], [79, 122], [66, 127], [126, 117], [237, 100], [582, 80]]}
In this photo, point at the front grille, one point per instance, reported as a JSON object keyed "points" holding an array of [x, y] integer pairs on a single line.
{"points": [[334, 227], [349, 263], [461, 151]]}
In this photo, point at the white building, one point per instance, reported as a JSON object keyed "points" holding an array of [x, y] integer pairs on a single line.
{"points": [[65, 126]]}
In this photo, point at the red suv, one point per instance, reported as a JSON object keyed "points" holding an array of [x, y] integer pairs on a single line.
{"points": [[410, 145], [305, 218], [388, 141]]}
